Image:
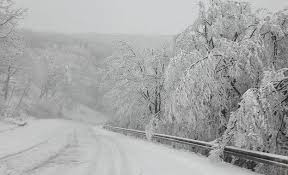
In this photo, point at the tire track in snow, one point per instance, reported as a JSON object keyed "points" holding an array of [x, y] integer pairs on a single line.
{"points": [[29, 160], [110, 159]]}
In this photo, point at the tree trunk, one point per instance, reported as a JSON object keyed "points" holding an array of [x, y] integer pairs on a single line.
{"points": [[6, 86]]}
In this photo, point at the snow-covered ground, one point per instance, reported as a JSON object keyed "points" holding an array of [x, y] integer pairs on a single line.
{"points": [[52, 147]]}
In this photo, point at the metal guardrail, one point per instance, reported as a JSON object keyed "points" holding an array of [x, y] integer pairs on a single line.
{"points": [[266, 158]]}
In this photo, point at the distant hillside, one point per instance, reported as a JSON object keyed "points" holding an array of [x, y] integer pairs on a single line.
{"points": [[99, 46]]}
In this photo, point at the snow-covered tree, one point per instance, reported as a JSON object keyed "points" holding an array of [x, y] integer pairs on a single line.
{"points": [[134, 83], [260, 122], [215, 64], [249, 60], [9, 17], [11, 64]]}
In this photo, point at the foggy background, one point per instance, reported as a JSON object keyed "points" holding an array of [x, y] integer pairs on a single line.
{"points": [[117, 16]]}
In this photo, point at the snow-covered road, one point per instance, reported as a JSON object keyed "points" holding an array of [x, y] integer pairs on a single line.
{"points": [[69, 148], [130, 156]]}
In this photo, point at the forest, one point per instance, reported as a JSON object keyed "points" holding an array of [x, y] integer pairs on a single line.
{"points": [[224, 80], [48, 74], [43, 74]]}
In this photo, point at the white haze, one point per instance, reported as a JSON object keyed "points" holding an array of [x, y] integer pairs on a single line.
{"points": [[117, 16]]}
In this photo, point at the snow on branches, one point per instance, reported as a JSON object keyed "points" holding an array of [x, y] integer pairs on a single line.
{"points": [[214, 65], [135, 83], [257, 122]]}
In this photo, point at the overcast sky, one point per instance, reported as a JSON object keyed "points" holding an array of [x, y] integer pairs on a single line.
{"points": [[116, 16]]}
